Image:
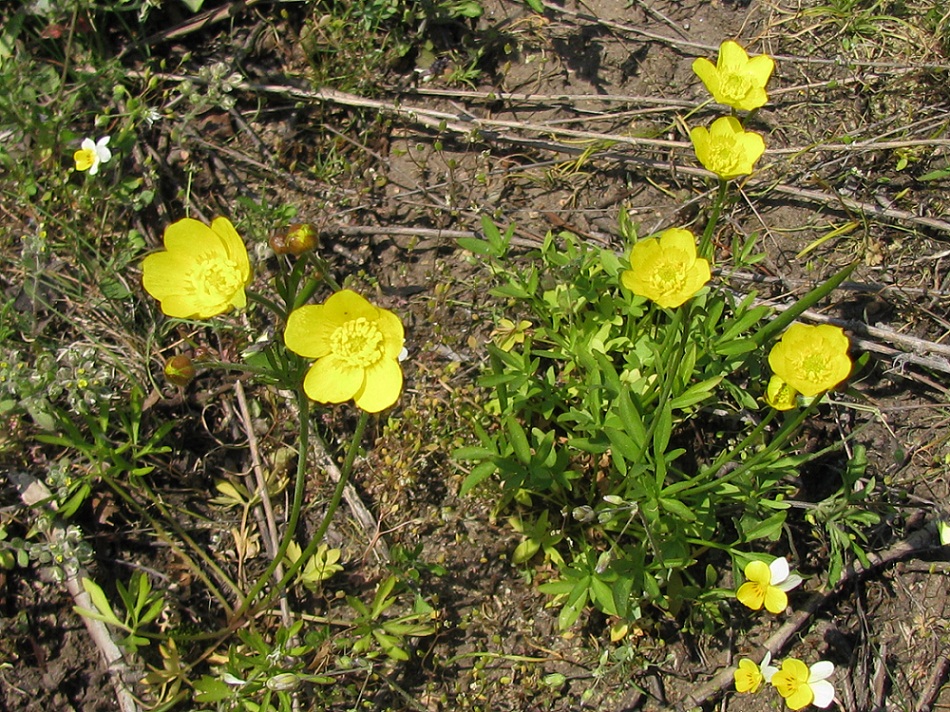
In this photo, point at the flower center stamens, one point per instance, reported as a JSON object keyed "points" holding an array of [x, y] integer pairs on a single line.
{"points": [[215, 278], [734, 86], [358, 343]]}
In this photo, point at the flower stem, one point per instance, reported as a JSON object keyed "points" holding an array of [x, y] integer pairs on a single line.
{"points": [[335, 500], [303, 404], [705, 244], [269, 304]]}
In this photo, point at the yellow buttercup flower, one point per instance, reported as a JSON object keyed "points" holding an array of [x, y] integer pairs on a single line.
{"points": [[801, 685], [780, 395], [356, 346], [811, 359], [91, 154], [726, 149], [201, 273], [736, 80], [767, 585], [666, 269]]}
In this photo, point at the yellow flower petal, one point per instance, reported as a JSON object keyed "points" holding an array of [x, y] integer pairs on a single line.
{"points": [[346, 305], [708, 74], [666, 269], [759, 572], [84, 159], [725, 149], [751, 595], [393, 333], [308, 331], [329, 380], [811, 359], [382, 386], [780, 395], [201, 273], [791, 682], [192, 237], [732, 55], [736, 80], [233, 244], [761, 68], [776, 600], [357, 347], [748, 677]]}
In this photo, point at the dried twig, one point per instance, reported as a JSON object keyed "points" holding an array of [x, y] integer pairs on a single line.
{"points": [[359, 510], [34, 493], [930, 692], [269, 530]]}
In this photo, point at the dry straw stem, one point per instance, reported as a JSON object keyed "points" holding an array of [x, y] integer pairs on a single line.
{"points": [[919, 542], [466, 125], [269, 528], [34, 493]]}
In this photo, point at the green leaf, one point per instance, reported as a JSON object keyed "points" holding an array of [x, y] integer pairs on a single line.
{"points": [[936, 175], [664, 430], [101, 603], [525, 550], [193, 5], [695, 394], [518, 440], [114, 289], [473, 453], [623, 444], [678, 509], [574, 606], [479, 474], [476, 246], [210, 689], [535, 5], [809, 300], [766, 529], [603, 595]]}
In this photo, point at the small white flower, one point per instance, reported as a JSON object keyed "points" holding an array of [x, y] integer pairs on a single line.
{"points": [[91, 154]]}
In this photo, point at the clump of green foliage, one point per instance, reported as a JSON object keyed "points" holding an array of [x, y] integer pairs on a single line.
{"points": [[631, 441]]}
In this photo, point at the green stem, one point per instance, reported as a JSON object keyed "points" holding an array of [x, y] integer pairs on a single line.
{"points": [[303, 405], [269, 304], [335, 500], [705, 244]]}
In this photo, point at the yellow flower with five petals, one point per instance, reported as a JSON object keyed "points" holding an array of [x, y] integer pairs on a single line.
{"points": [[736, 80], [201, 273], [767, 585], [801, 685], [811, 359], [666, 269], [356, 346], [726, 149]]}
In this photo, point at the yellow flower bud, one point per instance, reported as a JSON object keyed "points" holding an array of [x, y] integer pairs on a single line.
{"points": [[179, 370], [297, 239]]}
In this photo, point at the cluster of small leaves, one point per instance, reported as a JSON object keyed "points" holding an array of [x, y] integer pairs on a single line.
{"points": [[61, 556], [82, 379], [263, 674]]}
